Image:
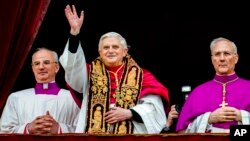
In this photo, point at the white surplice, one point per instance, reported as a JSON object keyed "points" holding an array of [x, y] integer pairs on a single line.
{"points": [[24, 106]]}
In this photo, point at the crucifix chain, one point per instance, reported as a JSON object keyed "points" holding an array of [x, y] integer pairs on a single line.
{"points": [[224, 91], [224, 103]]}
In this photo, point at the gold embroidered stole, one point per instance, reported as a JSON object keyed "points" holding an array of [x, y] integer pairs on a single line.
{"points": [[100, 92]]}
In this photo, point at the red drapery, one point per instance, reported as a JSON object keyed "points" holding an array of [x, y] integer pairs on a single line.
{"points": [[20, 22]]}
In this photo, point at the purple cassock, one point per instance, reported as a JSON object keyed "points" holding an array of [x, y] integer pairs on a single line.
{"points": [[208, 96]]}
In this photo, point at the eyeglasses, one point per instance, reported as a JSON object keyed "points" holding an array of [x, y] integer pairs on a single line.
{"points": [[45, 63]]}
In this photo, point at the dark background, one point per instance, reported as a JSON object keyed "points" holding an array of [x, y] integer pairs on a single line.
{"points": [[171, 39]]}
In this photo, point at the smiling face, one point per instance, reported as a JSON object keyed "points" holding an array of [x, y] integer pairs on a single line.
{"points": [[112, 52], [224, 57], [44, 66]]}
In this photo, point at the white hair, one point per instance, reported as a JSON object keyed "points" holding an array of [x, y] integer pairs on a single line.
{"points": [[216, 40], [115, 35]]}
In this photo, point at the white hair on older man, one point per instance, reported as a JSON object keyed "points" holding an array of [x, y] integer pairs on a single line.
{"points": [[115, 35]]}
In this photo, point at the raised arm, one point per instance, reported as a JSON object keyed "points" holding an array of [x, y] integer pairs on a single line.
{"points": [[73, 59]]}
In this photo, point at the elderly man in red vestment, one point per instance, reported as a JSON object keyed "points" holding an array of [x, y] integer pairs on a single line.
{"points": [[118, 96]]}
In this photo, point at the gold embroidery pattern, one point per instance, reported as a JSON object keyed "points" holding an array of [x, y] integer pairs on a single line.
{"points": [[97, 120], [122, 128], [130, 88], [131, 81], [99, 95]]}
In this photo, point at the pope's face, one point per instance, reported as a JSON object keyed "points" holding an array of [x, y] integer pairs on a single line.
{"points": [[112, 52]]}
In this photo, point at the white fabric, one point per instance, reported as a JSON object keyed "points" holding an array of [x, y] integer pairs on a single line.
{"points": [[200, 124], [75, 69], [150, 107], [245, 117], [151, 110], [24, 106]]}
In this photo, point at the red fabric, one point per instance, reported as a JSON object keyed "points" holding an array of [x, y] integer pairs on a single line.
{"points": [[113, 81], [76, 96], [60, 130], [20, 21], [25, 129], [150, 85]]}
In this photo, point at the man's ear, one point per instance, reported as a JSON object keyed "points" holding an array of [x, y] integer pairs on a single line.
{"points": [[125, 52], [236, 59], [57, 67]]}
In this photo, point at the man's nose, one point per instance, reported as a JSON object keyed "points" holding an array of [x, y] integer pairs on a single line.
{"points": [[222, 56], [41, 65]]}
